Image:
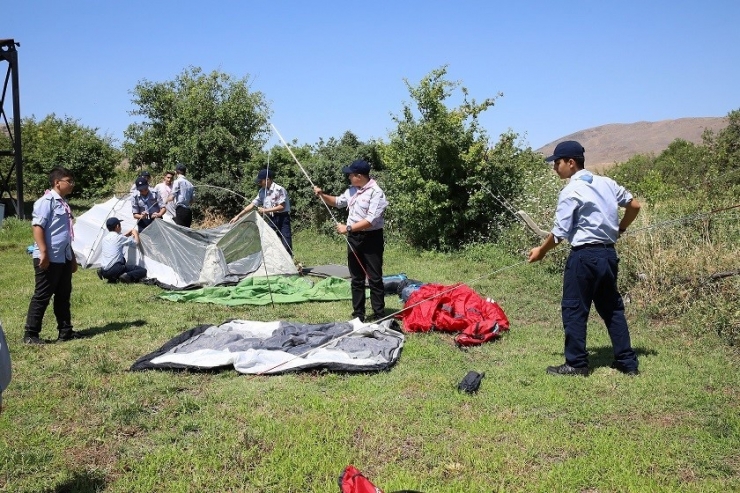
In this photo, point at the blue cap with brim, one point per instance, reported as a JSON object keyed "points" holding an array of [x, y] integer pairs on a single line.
{"points": [[264, 174], [112, 222], [359, 166], [569, 148]]}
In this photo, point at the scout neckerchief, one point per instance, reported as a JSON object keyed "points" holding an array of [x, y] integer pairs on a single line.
{"points": [[68, 210], [360, 191]]}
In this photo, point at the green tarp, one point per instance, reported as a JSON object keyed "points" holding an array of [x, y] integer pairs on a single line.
{"points": [[256, 291]]}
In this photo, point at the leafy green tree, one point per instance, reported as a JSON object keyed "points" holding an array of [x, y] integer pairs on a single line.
{"points": [[436, 161], [325, 170], [56, 141], [211, 122], [656, 178], [724, 149]]}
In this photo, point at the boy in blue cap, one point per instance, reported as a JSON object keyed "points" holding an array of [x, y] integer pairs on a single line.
{"points": [[273, 203], [587, 216], [366, 203], [146, 205], [112, 257]]}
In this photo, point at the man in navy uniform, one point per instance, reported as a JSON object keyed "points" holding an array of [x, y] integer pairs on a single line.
{"points": [[587, 216]]}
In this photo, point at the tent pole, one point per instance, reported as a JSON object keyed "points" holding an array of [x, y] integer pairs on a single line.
{"points": [[264, 259]]}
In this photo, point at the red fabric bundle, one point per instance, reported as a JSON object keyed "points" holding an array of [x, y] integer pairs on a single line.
{"points": [[454, 309]]}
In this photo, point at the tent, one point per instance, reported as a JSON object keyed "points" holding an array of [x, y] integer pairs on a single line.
{"points": [[177, 257], [254, 347], [89, 228]]}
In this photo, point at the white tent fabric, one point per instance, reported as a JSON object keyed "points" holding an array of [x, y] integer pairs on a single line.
{"points": [[178, 257], [90, 228]]}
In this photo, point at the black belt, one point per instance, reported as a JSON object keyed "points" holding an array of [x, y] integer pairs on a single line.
{"points": [[365, 232], [592, 245]]}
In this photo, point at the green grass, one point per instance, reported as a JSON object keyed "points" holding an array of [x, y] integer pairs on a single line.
{"points": [[77, 420]]}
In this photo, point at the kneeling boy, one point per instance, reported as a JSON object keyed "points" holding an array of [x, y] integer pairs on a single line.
{"points": [[112, 259]]}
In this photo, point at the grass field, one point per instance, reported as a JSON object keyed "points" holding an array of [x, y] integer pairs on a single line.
{"points": [[76, 420]]}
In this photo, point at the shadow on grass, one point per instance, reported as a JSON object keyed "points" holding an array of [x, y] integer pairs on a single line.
{"points": [[604, 355], [111, 327], [81, 482]]}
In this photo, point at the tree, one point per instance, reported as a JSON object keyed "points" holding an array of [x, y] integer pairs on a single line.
{"points": [[325, 171], [211, 122], [65, 142], [724, 148], [436, 161]]}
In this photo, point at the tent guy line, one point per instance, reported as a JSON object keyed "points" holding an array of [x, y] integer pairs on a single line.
{"points": [[197, 184], [389, 316]]}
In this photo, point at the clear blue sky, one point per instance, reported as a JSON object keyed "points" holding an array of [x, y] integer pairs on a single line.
{"points": [[331, 66]]}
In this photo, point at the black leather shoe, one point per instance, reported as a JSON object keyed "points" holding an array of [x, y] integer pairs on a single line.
{"points": [[622, 369], [33, 340], [125, 278], [100, 274], [69, 335], [566, 369]]}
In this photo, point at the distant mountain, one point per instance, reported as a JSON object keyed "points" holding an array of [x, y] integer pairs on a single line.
{"points": [[617, 142]]}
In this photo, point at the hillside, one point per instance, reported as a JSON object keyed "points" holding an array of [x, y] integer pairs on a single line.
{"points": [[617, 142]]}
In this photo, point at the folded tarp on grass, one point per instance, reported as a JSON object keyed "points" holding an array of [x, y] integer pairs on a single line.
{"points": [[278, 347], [257, 291]]}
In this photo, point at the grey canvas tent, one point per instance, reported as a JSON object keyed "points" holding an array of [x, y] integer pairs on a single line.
{"points": [[177, 257]]}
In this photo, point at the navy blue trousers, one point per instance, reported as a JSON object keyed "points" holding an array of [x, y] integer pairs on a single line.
{"points": [[591, 276], [281, 224], [183, 216], [134, 272]]}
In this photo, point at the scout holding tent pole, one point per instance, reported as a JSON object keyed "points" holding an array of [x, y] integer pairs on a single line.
{"points": [[587, 216], [363, 232]]}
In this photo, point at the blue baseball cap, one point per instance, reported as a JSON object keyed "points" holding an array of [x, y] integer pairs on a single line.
{"points": [[264, 174], [112, 222], [359, 166], [569, 148], [142, 183]]}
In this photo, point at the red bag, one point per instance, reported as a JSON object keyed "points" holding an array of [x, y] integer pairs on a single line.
{"points": [[352, 481]]}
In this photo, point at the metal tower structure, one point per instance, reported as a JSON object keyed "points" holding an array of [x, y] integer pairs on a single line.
{"points": [[9, 54]]}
